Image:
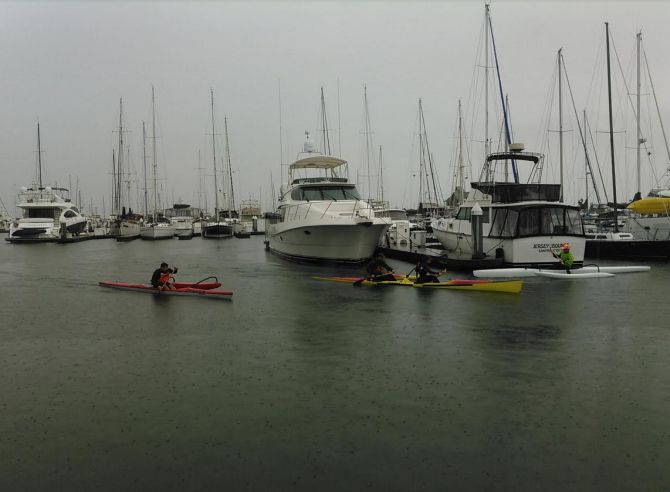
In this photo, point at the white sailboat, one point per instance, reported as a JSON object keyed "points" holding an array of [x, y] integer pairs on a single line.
{"points": [[216, 227], [158, 228]]}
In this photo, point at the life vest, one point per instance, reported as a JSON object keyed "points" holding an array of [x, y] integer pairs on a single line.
{"points": [[164, 277]]}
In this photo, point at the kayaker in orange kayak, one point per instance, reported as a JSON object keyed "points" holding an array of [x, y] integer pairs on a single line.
{"points": [[161, 277]]}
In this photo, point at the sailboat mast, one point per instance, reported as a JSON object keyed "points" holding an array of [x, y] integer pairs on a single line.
{"points": [[560, 121], [639, 132], [39, 158], [609, 101], [324, 124], [231, 205], [144, 165], [487, 144], [119, 156], [216, 187], [586, 169], [461, 181], [153, 149], [115, 192], [381, 176], [421, 154], [367, 137]]}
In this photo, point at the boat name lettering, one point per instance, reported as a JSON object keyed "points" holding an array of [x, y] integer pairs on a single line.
{"points": [[546, 247]]}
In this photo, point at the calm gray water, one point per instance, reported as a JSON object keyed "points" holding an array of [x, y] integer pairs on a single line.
{"points": [[308, 385]]}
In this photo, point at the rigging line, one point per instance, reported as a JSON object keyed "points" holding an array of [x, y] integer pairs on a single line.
{"points": [[595, 154], [653, 91], [502, 100], [579, 126]]}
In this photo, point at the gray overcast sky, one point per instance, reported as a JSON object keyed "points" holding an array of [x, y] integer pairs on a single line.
{"points": [[67, 64]]}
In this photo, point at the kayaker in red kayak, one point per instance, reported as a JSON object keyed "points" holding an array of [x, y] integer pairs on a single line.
{"points": [[161, 277]]}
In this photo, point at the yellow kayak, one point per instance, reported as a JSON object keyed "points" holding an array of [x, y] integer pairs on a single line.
{"points": [[507, 286]]}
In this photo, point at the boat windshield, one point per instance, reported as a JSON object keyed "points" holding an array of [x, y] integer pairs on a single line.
{"points": [[314, 193], [40, 213], [536, 221]]}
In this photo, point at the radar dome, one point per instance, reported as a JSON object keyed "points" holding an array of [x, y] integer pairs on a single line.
{"points": [[308, 146]]}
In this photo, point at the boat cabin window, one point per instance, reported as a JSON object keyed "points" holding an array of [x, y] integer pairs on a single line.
{"points": [[504, 222], [537, 221], [313, 193], [464, 213], [40, 213], [69, 214]]}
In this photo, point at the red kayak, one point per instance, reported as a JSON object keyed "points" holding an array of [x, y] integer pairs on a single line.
{"points": [[182, 289]]}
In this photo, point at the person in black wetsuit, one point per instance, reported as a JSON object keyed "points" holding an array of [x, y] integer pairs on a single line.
{"points": [[378, 270], [424, 274], [161, 277]]}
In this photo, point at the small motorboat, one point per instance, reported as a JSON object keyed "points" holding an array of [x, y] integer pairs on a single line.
{"points": [[209, 289]]}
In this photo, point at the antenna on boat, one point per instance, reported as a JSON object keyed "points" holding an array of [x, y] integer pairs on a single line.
{"points": [[609, 102], [281, 144]]}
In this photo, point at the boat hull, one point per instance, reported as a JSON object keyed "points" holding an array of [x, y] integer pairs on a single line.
{"points": [[518, 251], [185, 291], [157, 232], [217, 230], [326, 242], [632, 249]]}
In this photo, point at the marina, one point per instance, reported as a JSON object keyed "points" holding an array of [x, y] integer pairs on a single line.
{"points": [[400, 250]]}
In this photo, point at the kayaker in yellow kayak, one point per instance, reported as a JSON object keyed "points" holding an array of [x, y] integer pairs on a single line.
{"points": [[424, 275], [565, 257], [378, 270], [161, 277]]}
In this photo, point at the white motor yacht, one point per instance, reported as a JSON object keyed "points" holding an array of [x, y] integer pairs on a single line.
{"points": [[48, 215], [522, 222], [323, 217]]}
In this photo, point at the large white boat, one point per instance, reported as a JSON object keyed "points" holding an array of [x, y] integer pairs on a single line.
{"points": [[323, 217], [48, 215], [522, 222], [157, 230]]}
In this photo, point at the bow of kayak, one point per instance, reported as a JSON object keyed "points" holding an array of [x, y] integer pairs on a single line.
{"points": [[211, 293], [575, 275], [400, 280], [507, 286], [535, 272]]}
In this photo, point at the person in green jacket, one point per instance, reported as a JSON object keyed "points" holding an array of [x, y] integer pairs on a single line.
{"points": [[565, 257]]}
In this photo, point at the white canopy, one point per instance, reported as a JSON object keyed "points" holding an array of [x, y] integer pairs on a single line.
{"points": [[318, 162]]}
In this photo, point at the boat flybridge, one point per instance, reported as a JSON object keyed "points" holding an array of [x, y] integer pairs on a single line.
{"points": [[522, 222], [323, 217], [48, 215]]}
